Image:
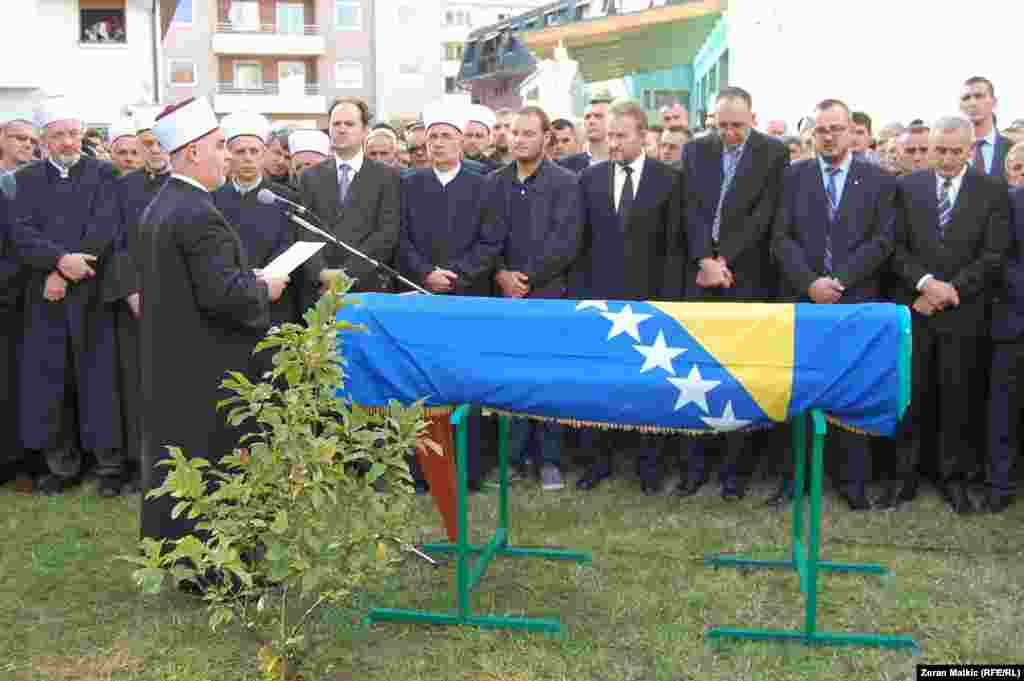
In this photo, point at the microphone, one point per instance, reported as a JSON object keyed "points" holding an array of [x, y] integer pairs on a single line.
{"points": [[268, 197]]}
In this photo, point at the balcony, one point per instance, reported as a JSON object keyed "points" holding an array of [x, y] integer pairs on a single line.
{"points": [[270, 98], [267, 40]]}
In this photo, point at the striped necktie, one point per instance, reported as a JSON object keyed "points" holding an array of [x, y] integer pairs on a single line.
{"points": [[731, 158], [945, 206], [833, 210]]}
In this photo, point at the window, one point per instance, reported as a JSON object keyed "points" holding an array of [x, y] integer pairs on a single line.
{"points": [[182, 73], [291, 18], [348, 75], [291, 77], [244, 15], [248, 75], [183, 14], [449, 18], [452, 52], [449, 84], [348, 15], [582, 11], [102, 22], [501, 17]]}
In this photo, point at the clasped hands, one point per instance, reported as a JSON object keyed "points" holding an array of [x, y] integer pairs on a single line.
{"points": [[714, 273], [936, 296], [73, 267]]}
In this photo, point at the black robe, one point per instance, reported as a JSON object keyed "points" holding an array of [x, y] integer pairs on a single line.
{"points": [[134, 193], [71, 342], [203, 310], [10, 334]]}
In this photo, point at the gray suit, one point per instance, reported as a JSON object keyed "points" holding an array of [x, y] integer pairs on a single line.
{"points": [[368, 221]]}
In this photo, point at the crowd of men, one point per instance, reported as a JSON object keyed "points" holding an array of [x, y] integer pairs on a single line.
{"points": [[98, 316]]}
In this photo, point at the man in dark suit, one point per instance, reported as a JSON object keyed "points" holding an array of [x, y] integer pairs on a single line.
{"points": [[977, 102], [633, 248], [12, 321], [949, 246], [1006, 397], [357, 199], [595, 123], [734, 177], [832, 237]]}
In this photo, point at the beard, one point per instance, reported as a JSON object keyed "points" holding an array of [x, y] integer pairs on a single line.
{"points": [[158, 167]]}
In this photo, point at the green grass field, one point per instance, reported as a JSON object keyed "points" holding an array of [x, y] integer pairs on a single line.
{"points": [[637, 613]]}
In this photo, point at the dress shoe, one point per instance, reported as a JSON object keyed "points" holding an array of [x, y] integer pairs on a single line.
{"points": [[23, 483], [687, 488], [856, 500], [592, 478], [782, 495], [108, 487], [955, 495], [733, 493], [49, 485], [651, 487], [996, 503], [894, 494]]}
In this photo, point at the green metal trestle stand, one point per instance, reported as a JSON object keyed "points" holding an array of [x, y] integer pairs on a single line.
{"points": [[804, 558], [469, 572]]}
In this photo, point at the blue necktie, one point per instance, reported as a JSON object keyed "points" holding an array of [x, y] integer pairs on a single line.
{"points": [[833, 210], [731, 157], [343, 183], [945, 207]]}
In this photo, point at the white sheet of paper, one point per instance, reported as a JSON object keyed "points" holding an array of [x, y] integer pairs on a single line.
{"points": [[289, 261]]}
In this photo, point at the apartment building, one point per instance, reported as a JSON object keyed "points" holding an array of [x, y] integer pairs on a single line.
{"points": [[102, 53], [284, 58]]}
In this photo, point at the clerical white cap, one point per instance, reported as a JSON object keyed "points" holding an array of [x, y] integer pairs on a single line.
{"points": [[55, 109], [145, 119], [309, 140], [246, 124], [483, 115], [182, 124], [122, 128], [438, 113]]}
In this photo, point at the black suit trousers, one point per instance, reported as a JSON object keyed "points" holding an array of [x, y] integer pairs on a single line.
{"points": [[944, 372]]}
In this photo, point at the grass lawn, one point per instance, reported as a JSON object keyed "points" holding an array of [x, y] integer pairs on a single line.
{"points": [[638, 612]]}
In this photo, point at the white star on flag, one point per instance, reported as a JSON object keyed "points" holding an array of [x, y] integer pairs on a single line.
{"points": [[658, 355], [596, 304], [625, 321], [694, 389], [727, 421]]}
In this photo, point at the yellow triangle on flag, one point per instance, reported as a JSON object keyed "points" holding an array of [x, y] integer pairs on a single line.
{"points": [[752, 341]]}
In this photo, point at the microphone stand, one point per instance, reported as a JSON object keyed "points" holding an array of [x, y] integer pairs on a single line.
{"points": [[302, 222]]}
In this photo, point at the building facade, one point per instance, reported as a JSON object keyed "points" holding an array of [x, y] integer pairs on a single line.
{"points": [[102, 53]]}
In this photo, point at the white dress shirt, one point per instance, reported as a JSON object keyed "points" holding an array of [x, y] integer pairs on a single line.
{"points": [[620, 177], [355, 164], [189, 180], [446, 176], [954, 191], [244, 189]]}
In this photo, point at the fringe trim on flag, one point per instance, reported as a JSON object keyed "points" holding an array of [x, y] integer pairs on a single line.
{"points": [[651, 430], [833, 421], [386, 411]]}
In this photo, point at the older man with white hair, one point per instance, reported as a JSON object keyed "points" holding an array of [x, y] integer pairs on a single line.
{"points": [[18, 141], [382, 145], [949, 248], [201, 301], [68, 384], [309, 147]]}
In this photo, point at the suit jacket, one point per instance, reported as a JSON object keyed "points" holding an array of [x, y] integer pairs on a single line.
{"points": [[577, 163], [862, 235], [642, 260], [369, 220], [1008, 306], [10, 267], [545, 249], [747, 214], [970, 254], [1002, 148]]}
